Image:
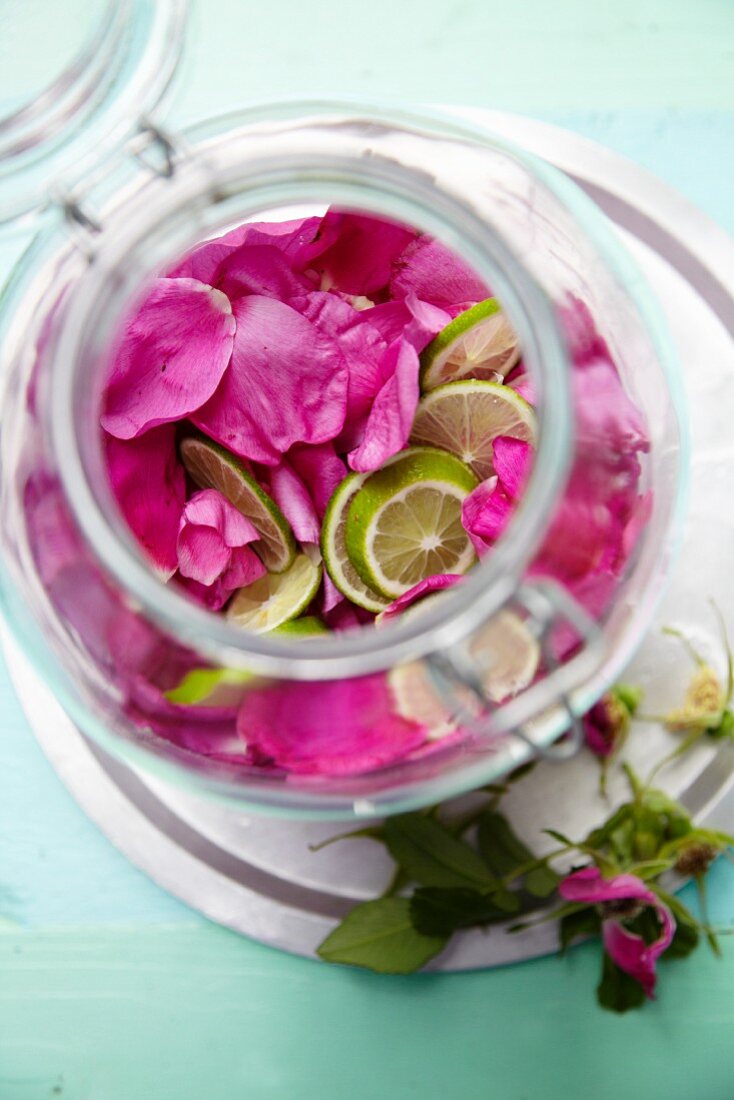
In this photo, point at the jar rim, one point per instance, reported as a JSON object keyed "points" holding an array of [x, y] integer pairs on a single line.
{"points": [[157, 215]]}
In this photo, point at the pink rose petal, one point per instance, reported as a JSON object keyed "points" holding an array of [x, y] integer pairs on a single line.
{"points": [[331, 597], [321, 471], [212, 545], [585, 343], [486, 512], [288, 237], [522, 383], [391, 417], [259, 269], [362, 346], [355, 252], [511, 459], [149, 485], [436, 275], [338, 727], [172, 357], [628, 950], [342, 615], [292, 497], [287, 383], [426, 321], [437, 583]]}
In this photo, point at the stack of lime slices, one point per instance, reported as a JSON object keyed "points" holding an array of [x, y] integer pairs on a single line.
{"points": [[385, 531]]}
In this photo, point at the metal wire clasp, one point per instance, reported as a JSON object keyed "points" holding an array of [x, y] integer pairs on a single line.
{"points": [[155, 148]]}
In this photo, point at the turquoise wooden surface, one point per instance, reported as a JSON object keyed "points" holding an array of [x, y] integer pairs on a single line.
{"points": [[110, 989]]}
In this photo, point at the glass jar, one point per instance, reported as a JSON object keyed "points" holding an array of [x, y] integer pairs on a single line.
{"points": [[110, 637]]}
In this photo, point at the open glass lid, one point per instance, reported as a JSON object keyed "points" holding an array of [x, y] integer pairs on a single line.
{"points": [[75, 79]]}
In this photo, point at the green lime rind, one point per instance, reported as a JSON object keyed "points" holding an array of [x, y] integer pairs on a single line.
{"points": [[439, 349], [334, 549], [411, 467], [205, 685], [306, 626], [276, 598], [212, 466]]}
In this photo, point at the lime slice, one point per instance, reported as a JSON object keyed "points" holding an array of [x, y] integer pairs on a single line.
{"points": [[213, 467], [417, 699], [334, 547], [479, 343], [276, 598], [466, 417], [404, 523], [215, 687], [506, 652], [305, 627]]}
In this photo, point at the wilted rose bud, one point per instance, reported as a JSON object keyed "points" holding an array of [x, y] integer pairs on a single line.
{"points": [[696, 858], [607, 724]]}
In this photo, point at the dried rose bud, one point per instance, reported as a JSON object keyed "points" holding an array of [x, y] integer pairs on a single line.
{"points": [[695, 859], [606, 725], [703, 703]]}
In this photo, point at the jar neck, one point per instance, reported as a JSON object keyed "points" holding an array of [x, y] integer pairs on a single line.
{"points": [[364, 162]]}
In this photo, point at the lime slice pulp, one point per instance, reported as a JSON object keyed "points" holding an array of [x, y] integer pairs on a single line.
{"points": [[479, 343], [404, 523], [466, 417], [276, 598]]}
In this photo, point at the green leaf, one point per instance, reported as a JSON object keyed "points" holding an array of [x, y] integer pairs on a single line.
{"points": [[583, 922], [542, 882], [522, 771], [661, 803], [629, 696], [622, 841], [616, 990], [685, 940], [432, 856], [598, 837], [379, 935], [500, 847], [649, 832], [439, 912], [725, 729], [650, 869], [560, 838], [645, 924], [506, 900]]}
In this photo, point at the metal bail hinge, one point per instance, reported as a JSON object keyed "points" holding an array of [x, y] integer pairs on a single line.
{"points": [[157, 149], [82, 225]]}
